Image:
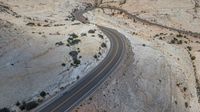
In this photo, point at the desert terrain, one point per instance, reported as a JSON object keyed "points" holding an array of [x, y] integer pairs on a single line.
{"points": [[44, 50]]}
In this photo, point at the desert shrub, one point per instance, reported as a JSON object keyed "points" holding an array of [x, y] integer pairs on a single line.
{"points": [[77, 77], [189, 48], [91, 31], [70, 38], [156, 35], [23, 106], [39, 100], [73, 54], [77, 62], [73, 35], [184, 89], [4, 110], [95, 56], [186, 105], [59, 43], [63, 64], [101, 36], [47, 25], [31, 105], [43, 94], [83, 34], [172, 42], [180, 42], [38, 24], [175, 39], [18, 103], [75, 41], [193, 57], [72, 41], [103, 45], [90, 98], [30, 24], [179, 35], [76, 23]]}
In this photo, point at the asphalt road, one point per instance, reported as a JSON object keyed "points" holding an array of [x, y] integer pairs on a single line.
{"points": [[64, 102]]}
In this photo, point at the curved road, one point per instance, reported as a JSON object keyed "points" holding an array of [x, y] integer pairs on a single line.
{"points": [[65, 101]]}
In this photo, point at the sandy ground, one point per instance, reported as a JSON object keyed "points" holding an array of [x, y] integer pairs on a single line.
{"points": [[31, 58], [178, 14]]}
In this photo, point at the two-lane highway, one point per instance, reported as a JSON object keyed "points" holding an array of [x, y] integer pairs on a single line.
{"points": [[87, 85]]}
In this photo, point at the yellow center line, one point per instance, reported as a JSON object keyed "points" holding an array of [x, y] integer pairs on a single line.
{"points": [[86, 84]]}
